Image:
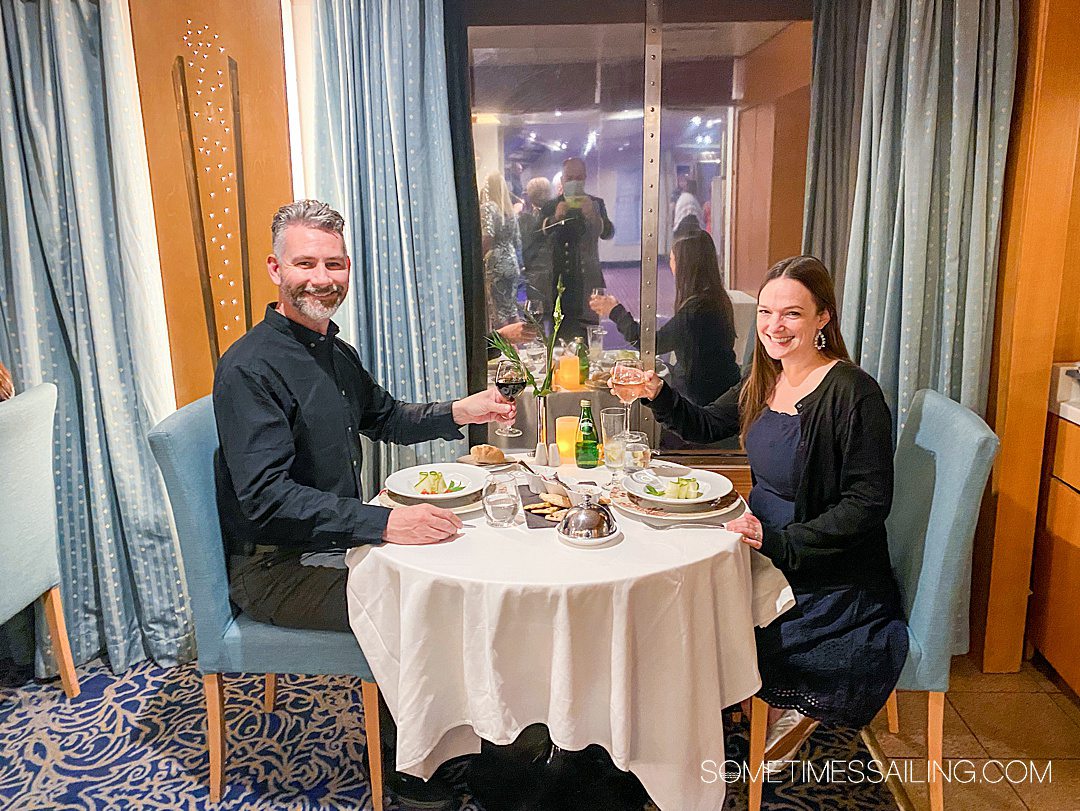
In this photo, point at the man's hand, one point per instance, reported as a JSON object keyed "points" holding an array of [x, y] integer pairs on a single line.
{"points": [[484, 406], [561, 211], [518, 332], [421, 524]]}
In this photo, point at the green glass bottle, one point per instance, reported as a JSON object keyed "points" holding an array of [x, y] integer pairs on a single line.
{"points": [[583, 360], [587, 447]]}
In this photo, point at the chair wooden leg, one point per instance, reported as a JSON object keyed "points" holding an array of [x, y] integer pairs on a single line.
{"points": [[934, 734], [215, 732], [893, 713], [759, 722], [270, 692], [370, 693], [54, 615]]}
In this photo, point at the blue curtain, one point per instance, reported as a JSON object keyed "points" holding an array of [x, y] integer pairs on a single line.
{"points": [[922, 256], [79, 309], [839, 58], [382, 156]]}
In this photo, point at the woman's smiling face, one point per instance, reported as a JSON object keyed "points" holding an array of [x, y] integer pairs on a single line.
{"points": [[788, 319]]}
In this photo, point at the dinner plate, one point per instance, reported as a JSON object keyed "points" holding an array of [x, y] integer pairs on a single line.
{"points": [[727, 507], [403, 482], [468, 505], [712, 486]]}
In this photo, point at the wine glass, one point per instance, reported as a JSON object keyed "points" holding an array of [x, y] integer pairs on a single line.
{"points": [[509, 380], [627, 382], [533, 311]]}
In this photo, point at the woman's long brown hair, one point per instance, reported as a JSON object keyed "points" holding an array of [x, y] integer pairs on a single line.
{"points": [[764, 371], [697, 273]]}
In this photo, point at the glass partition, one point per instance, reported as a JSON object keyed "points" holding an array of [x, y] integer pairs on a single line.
{"points": [[557, 134]]}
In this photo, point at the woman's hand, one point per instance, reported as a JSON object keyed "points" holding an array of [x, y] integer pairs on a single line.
{"points": [[749, 527], [602, 305]]}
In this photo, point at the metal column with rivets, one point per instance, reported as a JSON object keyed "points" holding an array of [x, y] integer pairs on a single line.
{"points": [[650, 196]]}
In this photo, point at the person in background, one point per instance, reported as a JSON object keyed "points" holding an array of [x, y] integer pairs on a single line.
{"points": [[291, 401], [702, 331], [818, 435], [688, 206], [7, 386], [501, 242], [536, 245], [575, 221]]}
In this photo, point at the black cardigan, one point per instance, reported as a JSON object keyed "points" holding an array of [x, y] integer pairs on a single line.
{"points": [[703, 339], [845, 489]]}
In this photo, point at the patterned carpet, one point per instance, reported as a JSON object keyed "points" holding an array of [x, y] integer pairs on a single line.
{"points": [[137, 741]]}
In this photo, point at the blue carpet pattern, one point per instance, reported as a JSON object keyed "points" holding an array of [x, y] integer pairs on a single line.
{"points": [[137, 741]]}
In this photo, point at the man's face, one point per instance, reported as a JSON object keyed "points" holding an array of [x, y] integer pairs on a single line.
{"points": [[312, 272], [574, 170]]}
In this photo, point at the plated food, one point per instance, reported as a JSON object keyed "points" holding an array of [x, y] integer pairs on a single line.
{"points": [[678, 492], [441, 481]]}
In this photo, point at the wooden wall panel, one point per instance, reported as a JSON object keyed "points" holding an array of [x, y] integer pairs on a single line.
{"points": [[206, 35], [789, 174], [753, 196], [1039, 196]]}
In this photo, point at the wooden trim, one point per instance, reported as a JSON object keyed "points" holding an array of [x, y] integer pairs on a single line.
{"points": [[935, 725], [892, 712], [213, 689], [1039, 194], [54, 616], [759, 721], [269, 692], [369, 692]]}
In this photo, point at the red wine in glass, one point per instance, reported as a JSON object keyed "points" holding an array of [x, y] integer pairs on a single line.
{"points": [[509, 380]]}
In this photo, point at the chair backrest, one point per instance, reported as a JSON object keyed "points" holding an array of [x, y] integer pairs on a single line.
{"points": [[943, 459], [184, 445], [28, 562]]}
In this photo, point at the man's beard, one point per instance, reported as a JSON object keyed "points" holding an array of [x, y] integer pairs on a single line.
{"points": [[311, 307]]}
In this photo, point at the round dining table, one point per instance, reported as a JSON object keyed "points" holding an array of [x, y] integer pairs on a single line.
{"points": [[637, 647]]}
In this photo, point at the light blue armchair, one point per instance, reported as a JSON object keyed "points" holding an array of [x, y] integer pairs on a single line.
{"points": [[28, 545], [184, 445], [943, 460]]}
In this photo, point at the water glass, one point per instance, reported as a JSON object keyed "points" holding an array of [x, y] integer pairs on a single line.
{"points": [[636, 452], [612, 426], [501, 500], [596, 344]]}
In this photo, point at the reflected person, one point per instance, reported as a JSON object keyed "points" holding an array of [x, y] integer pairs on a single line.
{"points": [[702, 331], [501, 244], [536, 245], [575, 221]]}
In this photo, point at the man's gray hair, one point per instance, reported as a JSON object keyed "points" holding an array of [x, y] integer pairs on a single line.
{"points": [[309, 213]]}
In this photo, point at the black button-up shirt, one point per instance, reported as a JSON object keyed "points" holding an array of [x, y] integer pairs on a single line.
{"points": [[290, 406]]}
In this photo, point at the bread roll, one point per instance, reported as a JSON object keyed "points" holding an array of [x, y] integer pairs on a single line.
{"points": [[488, 453]]}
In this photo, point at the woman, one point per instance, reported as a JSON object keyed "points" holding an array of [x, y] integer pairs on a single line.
{"points": [[819, 437], [501, 244], [702, 331]]}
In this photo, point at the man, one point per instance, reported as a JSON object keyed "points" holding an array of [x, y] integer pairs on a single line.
{"points": [[291, 401], [575, 221]]}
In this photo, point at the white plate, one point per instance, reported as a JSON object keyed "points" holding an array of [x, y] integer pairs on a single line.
{"points": [[712, 486], [637, 508], [472, 505], [403, 482]]}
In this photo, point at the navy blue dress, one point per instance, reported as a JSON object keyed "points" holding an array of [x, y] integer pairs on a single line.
{"points": [[835, 655]]}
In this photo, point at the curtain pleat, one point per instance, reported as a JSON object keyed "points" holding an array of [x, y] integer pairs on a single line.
{"points": [[81, 306]]}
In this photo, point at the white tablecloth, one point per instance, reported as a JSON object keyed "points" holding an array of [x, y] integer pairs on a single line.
{"points": [[637, 647]]}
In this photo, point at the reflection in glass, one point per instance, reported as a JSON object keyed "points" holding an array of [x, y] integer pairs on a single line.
{"points": [[557, 121]]}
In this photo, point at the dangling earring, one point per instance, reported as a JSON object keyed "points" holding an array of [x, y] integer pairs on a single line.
{"points": [[819, 341]]}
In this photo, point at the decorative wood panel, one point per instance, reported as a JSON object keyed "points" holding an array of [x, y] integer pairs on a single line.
{"points": [[212, 86]]}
